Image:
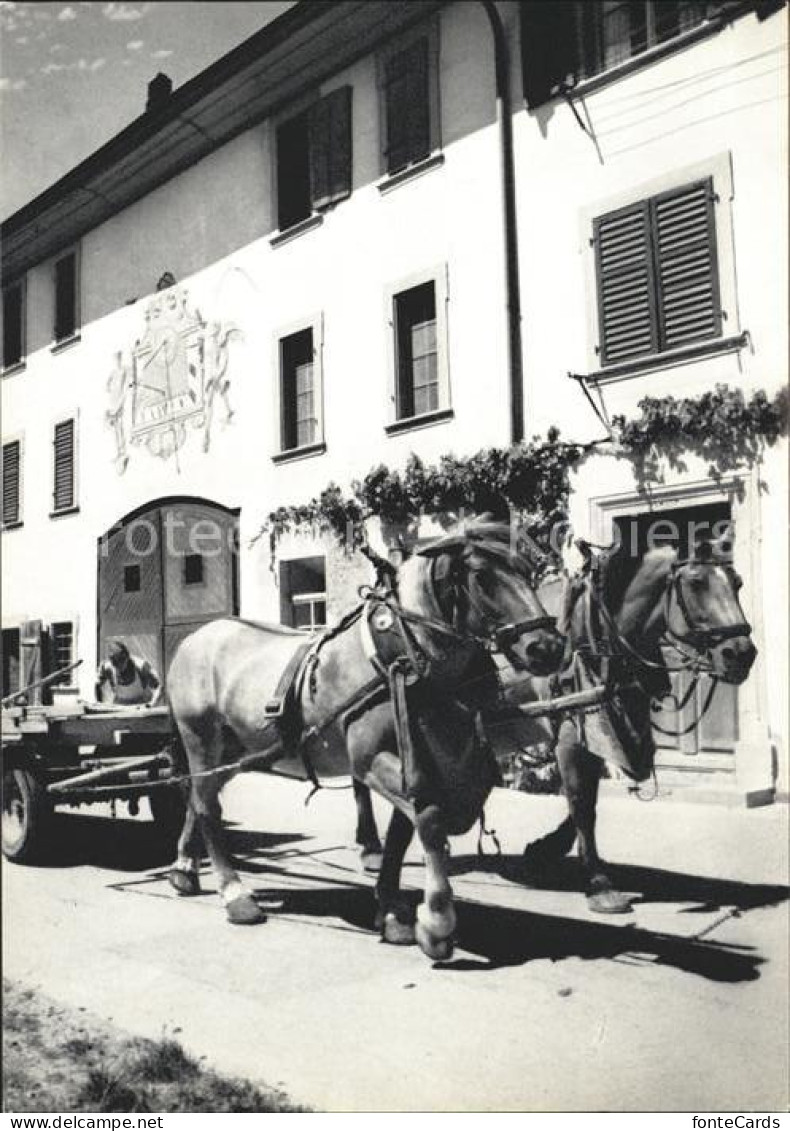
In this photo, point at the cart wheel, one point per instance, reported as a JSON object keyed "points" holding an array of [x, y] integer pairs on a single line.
{"points": [[27, 813], [169, 813]]}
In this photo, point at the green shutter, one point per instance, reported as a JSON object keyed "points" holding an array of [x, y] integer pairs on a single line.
{"points": [[626, 293], [684, 238], [11, 482], [63, 492], [331, 149]]}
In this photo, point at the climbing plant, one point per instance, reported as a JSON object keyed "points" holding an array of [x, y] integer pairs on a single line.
{"points": [[532, 479]]}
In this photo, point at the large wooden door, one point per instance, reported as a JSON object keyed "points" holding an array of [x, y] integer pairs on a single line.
{"points": [[710, 737], [164, 572]]}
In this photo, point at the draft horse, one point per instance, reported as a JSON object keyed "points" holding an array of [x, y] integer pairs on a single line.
{"points": [[675, 615], [392, 693]]}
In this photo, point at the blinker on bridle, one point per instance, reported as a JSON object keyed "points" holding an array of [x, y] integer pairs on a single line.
{"points": [[705, 637]]}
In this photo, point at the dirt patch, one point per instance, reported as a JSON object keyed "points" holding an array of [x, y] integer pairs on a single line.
{"points": [[62, 1060]]}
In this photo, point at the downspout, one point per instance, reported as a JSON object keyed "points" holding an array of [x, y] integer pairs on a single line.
{"points": [[512, 284]]}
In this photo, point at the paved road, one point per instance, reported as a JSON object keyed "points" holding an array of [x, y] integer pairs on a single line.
{"points": [[680, 1006]]}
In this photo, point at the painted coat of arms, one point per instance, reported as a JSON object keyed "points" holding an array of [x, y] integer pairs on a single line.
{"points": [[169, 382]]}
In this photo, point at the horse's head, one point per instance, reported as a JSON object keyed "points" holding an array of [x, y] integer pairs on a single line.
{"points": [[481, 584], [703, 613]]}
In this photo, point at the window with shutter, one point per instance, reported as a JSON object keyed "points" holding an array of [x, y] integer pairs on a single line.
{"points": [[66, 297], [314, 158], [63, 487], [656, 272], [12, 483], [13, 325], [566, 41], [407, 106]]}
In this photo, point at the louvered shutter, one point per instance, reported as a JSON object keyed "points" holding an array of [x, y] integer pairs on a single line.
{"points": [[626, 294], [12, 325], [408, 106], [11, 482], [684, 236], [548, 47], [65, 296], [330, 149], [64, 466]]}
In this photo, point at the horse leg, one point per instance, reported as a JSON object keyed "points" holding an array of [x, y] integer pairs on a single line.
{"points": [[367, 833], [204, 751], [581, 775], [393, 917], [184, 876], [436, 915]]}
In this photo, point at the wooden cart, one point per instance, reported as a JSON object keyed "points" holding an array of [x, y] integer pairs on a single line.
{"points": [[81, 753]]}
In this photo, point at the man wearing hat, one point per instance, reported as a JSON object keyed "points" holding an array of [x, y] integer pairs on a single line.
{"points": [[130, 678]]}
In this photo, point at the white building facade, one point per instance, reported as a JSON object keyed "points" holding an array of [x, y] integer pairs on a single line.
{"points": [[303, 263]]}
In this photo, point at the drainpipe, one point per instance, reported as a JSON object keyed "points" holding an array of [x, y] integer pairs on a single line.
{"points": [[512, 284]]}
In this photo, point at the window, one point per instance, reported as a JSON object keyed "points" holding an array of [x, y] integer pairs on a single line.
{"points": [[314, 158], [408, 77], [193, 569], [12, 672], [657, 274], [131, 579], [13, 325], [300, 389], [66, 304], [418, 315], [64, 485], [303, 593], [12, 483], [62, 643], [566, 41]]}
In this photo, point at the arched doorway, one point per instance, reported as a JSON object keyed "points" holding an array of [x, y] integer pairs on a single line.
{"points": [[163, 571]]}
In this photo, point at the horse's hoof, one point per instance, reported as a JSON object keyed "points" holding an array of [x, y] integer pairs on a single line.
{"points": [[371, 859], [185, 883], [395, 932], [438, 950], [244, 911], [609, 902]]}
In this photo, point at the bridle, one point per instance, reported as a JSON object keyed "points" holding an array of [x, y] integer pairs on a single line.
{"points": [[700, 637]]}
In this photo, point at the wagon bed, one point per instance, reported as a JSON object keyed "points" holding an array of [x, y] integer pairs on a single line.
{"points": [[80, 753]]}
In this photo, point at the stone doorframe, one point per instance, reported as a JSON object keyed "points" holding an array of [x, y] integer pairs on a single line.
{"points": [[755, 771]]}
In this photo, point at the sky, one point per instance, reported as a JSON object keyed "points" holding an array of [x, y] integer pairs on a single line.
{"points": [[72, 75]]}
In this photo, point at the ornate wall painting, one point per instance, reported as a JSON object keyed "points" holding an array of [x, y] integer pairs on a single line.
{"points": [[169, 382]]}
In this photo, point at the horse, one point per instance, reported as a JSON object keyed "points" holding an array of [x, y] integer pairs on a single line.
{"points": [[392, 693], [674, 615]]}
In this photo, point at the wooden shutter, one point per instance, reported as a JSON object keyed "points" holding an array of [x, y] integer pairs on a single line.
{"points": [[408, 114], [548, 47], [684, 236], [63, 492], [11, 482], [331, 149], [65, 296], [627, 319]]}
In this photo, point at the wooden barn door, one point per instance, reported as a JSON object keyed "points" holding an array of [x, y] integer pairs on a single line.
{"points": [[694, 741], [163, 573]]}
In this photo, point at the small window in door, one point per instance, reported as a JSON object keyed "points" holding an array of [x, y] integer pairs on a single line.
{"points": [[303, 593], [193, 569], [131, 579]]}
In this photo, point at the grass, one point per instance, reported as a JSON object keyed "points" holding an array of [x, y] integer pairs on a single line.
{"points": [[56, 1059]]}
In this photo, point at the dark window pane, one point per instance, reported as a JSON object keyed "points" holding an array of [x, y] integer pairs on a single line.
{"points": [[417, 370], [13, 348], [302, 592], [193, 569], [62, 644], [299, 423], [131, 579], [293, 172], [65, 297]]}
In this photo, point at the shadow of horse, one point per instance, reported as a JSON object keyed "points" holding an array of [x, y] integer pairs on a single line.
{"points": [[496, 937]]}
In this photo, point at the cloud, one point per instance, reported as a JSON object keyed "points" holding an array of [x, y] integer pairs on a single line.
{"points": [[135, 45], [66, 14], [13, 84], [22, 39], [162, 53], [56, 47], [82, 65], [124, 12]]}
